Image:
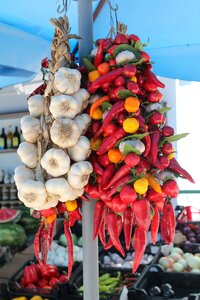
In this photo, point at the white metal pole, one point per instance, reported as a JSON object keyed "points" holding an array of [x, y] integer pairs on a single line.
{"points": [[90, 247]]}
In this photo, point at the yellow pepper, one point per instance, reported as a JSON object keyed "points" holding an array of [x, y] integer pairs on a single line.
{"points": [[141, 185], [153, 182], [93, 75], [171, 155], [131, 104], [95, 145], [36, 297], [97, 114], [19, 298], [130, 125], [71, 205], [133, 78]]}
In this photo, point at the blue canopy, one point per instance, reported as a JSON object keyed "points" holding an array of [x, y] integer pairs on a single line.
{"points": [[172, 28]]}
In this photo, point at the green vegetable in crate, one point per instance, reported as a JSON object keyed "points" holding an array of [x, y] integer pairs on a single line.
{"points": [[63, 240], [12, 235], [29, 224]]}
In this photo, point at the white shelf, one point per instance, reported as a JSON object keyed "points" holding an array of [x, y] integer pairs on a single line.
{"points": [[8, 151], [15, 115]]}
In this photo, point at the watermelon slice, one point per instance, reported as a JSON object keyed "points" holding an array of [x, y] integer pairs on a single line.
{"points": [[8, 215]]}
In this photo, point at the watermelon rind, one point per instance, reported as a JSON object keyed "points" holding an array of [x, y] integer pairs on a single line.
{"points": [[8, 215]]}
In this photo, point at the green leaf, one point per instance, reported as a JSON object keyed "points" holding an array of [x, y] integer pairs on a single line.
{"points": [[126, 47], [128, 149], [139, 62], [123, 94], [138, 45], [138, 136], [88, 64], [176, 137], [106, 106], [164, 109]]}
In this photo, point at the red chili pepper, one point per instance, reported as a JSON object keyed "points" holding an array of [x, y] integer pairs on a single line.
{"points": [[30, 275], [117, 205], [155, 225], [160, 204], [61, 207], [101, 232], [133, 37], [93, 191], [145, 56], [128, 194], [119, 183], [167, 131], [155, 163], [99, 55], [128, 226], [139, 245], [40, 90], [70, 248], [107, 43], [147, 142], [157, 118], [151, 77], [98, 217], [167, 148], [142, 124], [119, 81], [109, 129], [119, 228], [49, 271], [36, 242], [42, 282], [155, 97], [129, 70], [47, 212], [63, 278], [141, 210], [74, 216], [112, 62], [175, 167], [96, 167], [109, 77], [53, 281], [103, 160], [155, 138], [133, 87], [150, 87], [121, 39], [123, 171], [120, 118], [52, 227], [144, 164], [107, 175], [131, 160], [167, 224], [94, 127], [111, 49], [154, 196], [111, 141], [170, 188], [164, 161], [140, 79], [111, 221], [44, 244]]}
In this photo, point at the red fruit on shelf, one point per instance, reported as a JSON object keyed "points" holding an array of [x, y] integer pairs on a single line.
{"points": [[167, 148], [145, 56], [131, 160], [154, 97], [134, 37], [128, 194], [129, 70], [112, 62], [150, 87], [157, 118], [164, 161], [170, 188], [120, 118], [109, 129], [133, 87], [167, 131], [121, 39], [119, 81]]}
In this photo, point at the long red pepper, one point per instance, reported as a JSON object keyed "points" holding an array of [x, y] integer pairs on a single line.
{"points": [[101, 232], [139, 244], [128, 226], [117, 108], [151, 77], [109, 77], [52, 227], [96, 166], [36, 242], [119, 183], [174, 166], [119, 228], [117, 205], [98, 217], [111, 141], [99, 55], [40, 90], [141, 210], [155, 138], [147, 142], [70, 247], [155, 163], [123, 171], [44, 244], [111, 221], [74, 216], [107, 175], [168, 222], [155, 225]]}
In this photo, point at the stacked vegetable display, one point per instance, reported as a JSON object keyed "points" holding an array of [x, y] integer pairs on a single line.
{"points": [[133, 157], [55, 150]]}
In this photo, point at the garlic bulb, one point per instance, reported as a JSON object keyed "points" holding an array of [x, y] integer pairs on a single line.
{"points": [[30, 128], [36, 105], [65, 132], [60, 189], [81, 150], [67, 81], [76, 193], [22, 173], [64, 106], [33, 194], [28, 154], [82, 96], [83, 122], [124, 56], [56, 162], [79, 174]]}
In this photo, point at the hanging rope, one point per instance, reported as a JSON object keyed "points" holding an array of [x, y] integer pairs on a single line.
{"points": [[63, 8], [113, 19]]}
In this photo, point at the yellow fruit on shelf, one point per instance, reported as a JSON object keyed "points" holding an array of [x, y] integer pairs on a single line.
{"points": [[141, 185], [130, 125]]}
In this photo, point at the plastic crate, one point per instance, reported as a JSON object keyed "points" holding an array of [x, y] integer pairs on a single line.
{"points": [[14, 290], [183, 284]]}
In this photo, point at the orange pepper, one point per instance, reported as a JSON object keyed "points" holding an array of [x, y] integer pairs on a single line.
{"points": [[50, 219], [103, 68], [98, 103], [153, 182], [71, 205], [97, 113], [131, 104], [95, 145], [115, 156], [93, 75], [133, 78]]}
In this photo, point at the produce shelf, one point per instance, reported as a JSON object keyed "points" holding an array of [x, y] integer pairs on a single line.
{"points": [[8, 151]]}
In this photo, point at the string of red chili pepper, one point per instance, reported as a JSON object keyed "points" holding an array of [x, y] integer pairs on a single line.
{"points": [[155, 138], [98, 217], [36, 242], [128, 226], [70, 248], [155, 225], [44, 243]]}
